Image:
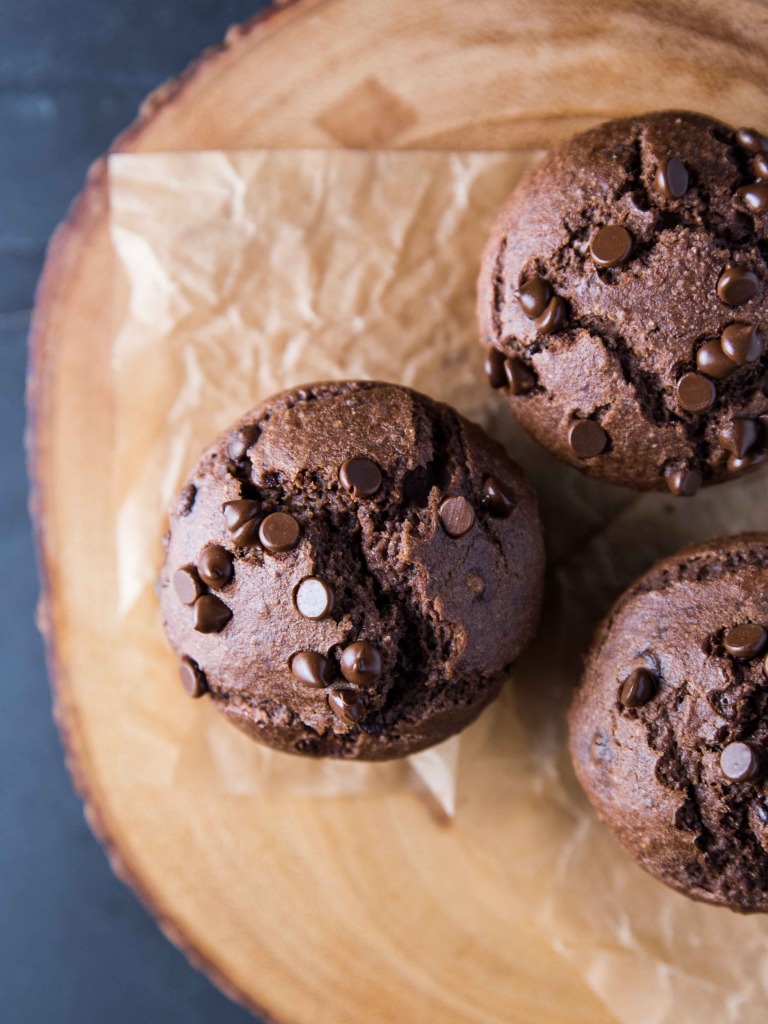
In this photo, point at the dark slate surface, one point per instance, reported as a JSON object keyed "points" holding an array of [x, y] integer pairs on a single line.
{"points": [[75, 946]]}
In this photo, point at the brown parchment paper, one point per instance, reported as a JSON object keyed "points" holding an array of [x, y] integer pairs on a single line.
{"points": [[250, 272]]}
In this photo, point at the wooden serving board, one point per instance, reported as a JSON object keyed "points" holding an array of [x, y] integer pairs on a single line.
{"points": [[312, 912]]}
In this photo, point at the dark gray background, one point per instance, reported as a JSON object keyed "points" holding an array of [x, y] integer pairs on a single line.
{"points": [[75, 946]]}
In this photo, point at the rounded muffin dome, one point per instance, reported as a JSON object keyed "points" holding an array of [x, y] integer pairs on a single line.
{"points": [[668, 729], [350, 570], [623, 300]]}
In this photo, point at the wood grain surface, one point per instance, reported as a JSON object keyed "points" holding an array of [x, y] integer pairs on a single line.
{"points": [[309, 912]]}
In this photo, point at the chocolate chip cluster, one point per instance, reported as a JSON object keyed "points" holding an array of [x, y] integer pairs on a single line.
{"points": [[359, 665], [615, 253], [739, 759]]}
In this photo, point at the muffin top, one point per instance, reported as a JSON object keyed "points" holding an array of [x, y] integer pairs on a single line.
{"points": [[350, 570], [669, 733], [623, 297]]}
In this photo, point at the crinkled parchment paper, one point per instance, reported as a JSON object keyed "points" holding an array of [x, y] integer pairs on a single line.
{"points": [[251, 272]]}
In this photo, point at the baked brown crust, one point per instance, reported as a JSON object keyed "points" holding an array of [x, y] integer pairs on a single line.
{"points": [[636, 303]]}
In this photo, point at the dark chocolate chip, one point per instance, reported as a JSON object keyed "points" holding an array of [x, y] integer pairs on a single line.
{"points": [[754, 196], [216, 566], [752, 140], [312, 669], [497, 499], [242, 519], [684, 483], [314, 598], [211, 614], [760, 166], [494, 368], [738, 436], [345, 705], [611, 246], [534, 296], [187, 584], [739, 762], [520, 377], [711, 359], [637, 688], [746, 640], [587, 439], [279, 531], [736, 286], [695, 393], [672, 178], [361, 477], [554, 317], [457, 516], [241, 441], [192, 678], [742, 343], [361, 663], [741, 464]]}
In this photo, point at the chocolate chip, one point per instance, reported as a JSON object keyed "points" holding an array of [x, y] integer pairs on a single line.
{"points": [[695, 393], [279, 531], [361, 477], [554, 317], [754, 196], [760, 166], [711, 359], [672, 178], [312, 669], [345, 705], [457, 516], [497, 499], [210, 614], [742, 343], [741, 464], [684, 483], [738, 436], [736, 286], [494, 368], [216, 566], [533, 296], [739, 762], [242, 519], [752, 140], [192, 678], [587, 439], [746, 640], [520, 377], [610, 246], [637, 688], [314, 598], [361, 663], [187, 584], [241, 441]]}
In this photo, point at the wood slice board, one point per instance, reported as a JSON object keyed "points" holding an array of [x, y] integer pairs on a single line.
{"points": [[297, 909]]}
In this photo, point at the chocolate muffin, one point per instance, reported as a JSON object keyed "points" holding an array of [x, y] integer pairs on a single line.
{"points": [[622, 301], [669, 727], [351, 570]]}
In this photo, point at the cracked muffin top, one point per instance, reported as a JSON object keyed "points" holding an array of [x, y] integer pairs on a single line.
{"points": [[622, 301], [669, 727], [350, 570]]}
